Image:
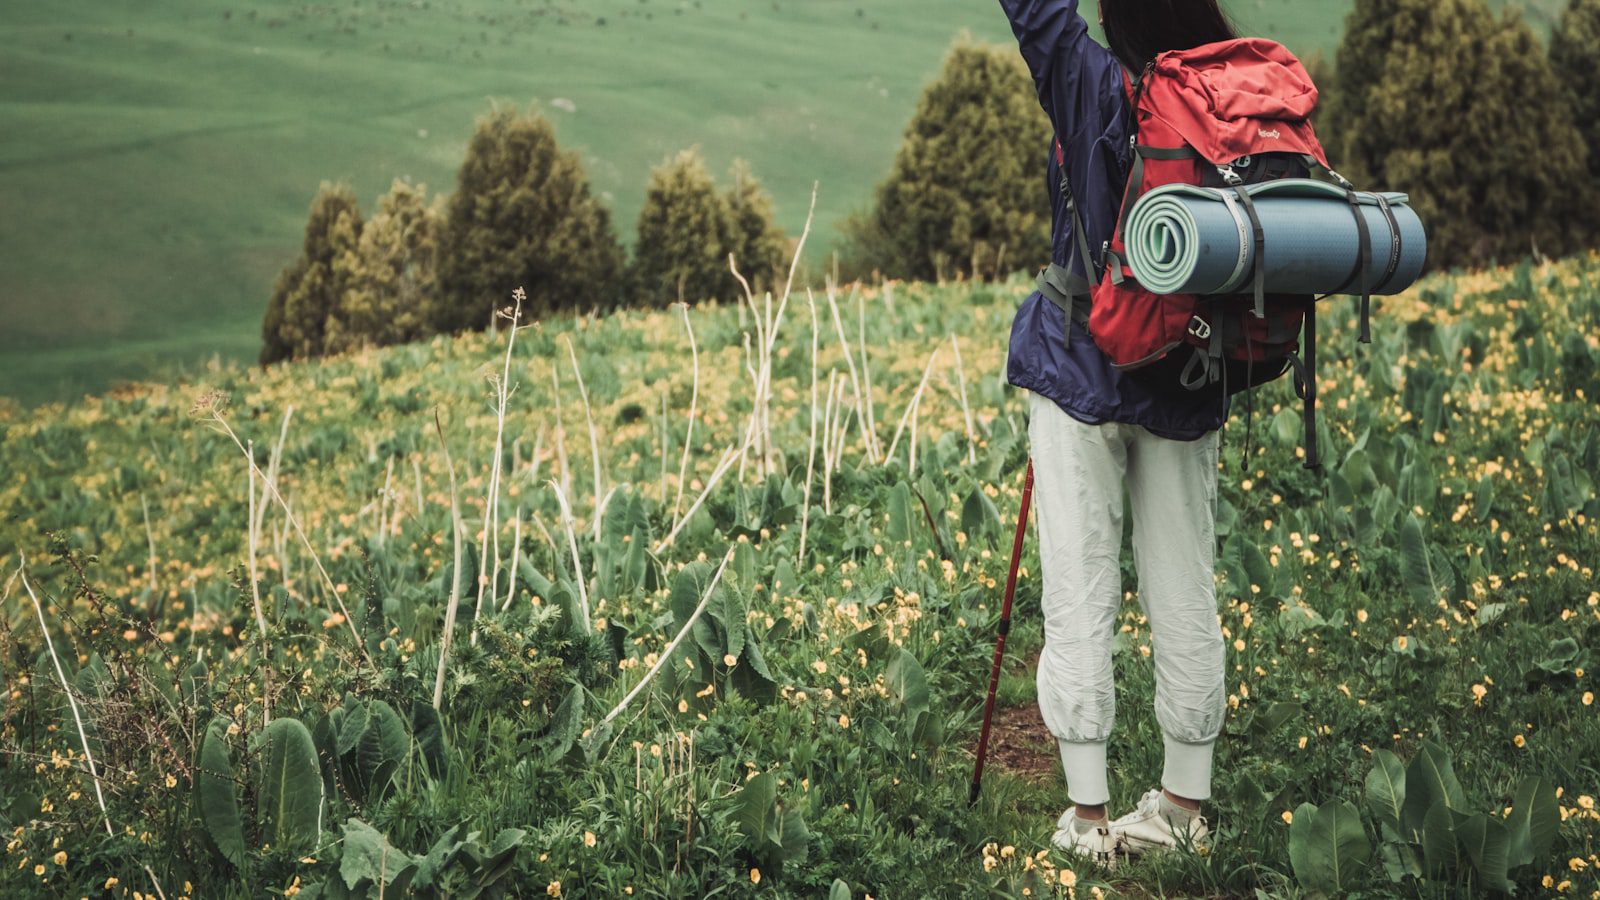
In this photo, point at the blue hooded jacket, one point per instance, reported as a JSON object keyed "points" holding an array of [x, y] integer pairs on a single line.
{"points": [[1081, 87]]}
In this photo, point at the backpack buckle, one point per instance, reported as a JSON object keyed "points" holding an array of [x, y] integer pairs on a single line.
{"points": [[1230, 176], [1200, 328]]}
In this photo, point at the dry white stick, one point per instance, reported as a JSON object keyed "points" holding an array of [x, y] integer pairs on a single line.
{"points": [[827, 442], [516, 553], [66, 688], [253, 538], [276, 458], [572, 545], [665, 437], [850, 361], [561, 432], [966, 410], [912, 406], [538, 450], [811, 443], [594, 438], [666, 654], [150, 537], [77, 717], [416, 470], [870, 424], [455, 571], [726, 463], [294, 520], [489, 571]]}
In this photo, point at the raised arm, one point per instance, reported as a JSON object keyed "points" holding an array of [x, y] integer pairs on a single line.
{"points": [[1073, 74]]}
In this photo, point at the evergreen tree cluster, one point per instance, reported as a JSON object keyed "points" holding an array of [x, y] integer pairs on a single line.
{"points": [[1496, 140], [964, 197], [523, 215]]}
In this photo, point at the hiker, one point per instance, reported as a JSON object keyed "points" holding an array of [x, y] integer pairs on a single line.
{"points": [[1095, 430]]}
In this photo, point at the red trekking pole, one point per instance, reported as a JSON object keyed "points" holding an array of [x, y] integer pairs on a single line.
{"points": [[1005, 629]]}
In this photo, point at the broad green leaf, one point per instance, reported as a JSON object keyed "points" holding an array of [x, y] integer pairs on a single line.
{"points": [[565, 724], [979, 518], [1483, 499], [907, 682], [1416, 566], [794, 838], [1490, 613], [1386, 789], [755, 811], [1400, 860], [839, 891], [1535, 819], [368, 857], [900, 521], [1328, 847], [427, 728], [1440, 847], [1488, 844], [289, 805], [1430, 779], [380, 751], [1273, 717], [217, 796]]}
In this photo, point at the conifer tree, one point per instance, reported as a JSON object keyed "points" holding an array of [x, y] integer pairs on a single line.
{"points": [[523, 215], [965, 191], [1575, 53], [392, 293], [310, 288], [1462, 110], [759, 245], [686, 231]]}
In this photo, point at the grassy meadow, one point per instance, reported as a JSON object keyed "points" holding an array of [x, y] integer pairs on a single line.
{"points": [[158, 160], [826, 525]]}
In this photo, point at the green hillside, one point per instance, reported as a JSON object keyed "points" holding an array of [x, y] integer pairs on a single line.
{"points": [[1433, 598], [158, 159]]}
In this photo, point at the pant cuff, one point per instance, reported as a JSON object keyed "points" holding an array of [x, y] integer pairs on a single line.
{"points": [[1188, 769], [1085, 765]]}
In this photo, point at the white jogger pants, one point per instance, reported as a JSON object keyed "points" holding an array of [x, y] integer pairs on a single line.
{"points": [[1079, 474]]}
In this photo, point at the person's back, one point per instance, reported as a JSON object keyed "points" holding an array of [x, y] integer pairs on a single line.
{"points": [[1094, 430]]}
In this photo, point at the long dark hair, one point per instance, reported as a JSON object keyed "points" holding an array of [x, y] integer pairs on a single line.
{"points": [[1139, 30]]}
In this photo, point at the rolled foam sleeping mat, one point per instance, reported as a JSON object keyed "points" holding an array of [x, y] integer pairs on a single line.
{"points": [[1184, 239]]}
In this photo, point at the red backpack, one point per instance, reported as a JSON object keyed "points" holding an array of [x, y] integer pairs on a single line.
{"points": [[1225, 114]]}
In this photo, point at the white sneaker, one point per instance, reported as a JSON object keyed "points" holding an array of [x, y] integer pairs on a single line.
{"points": [[1159, 824], [1089, 838]]}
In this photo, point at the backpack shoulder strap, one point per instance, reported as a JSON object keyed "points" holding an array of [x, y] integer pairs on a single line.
{"points": [[1090, 270]]}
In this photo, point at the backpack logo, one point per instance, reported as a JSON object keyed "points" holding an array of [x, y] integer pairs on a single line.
{"points": [[1274, 133]]}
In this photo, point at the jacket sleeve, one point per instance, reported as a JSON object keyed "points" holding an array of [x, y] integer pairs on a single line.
{"points": [[1072, 73]]}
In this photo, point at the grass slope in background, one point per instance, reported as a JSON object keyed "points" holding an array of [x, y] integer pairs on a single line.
{"points": [[1425, 589], [158, 159]]}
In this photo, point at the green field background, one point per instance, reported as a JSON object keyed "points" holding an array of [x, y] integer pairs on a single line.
{"points": [[157, 160]]}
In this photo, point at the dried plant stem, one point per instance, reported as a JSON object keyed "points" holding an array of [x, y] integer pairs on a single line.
{"points": [[72, 700], [572, 546], [562, 469], [912, 406], [383, 502], [966, 409], [594, 437], [150, 540], [516, 555], [489, 570], [870, 423], [850, 361], [672, 647], [300, 532], [253, 536], [811, 442], [455, 571], [726, 463]]}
